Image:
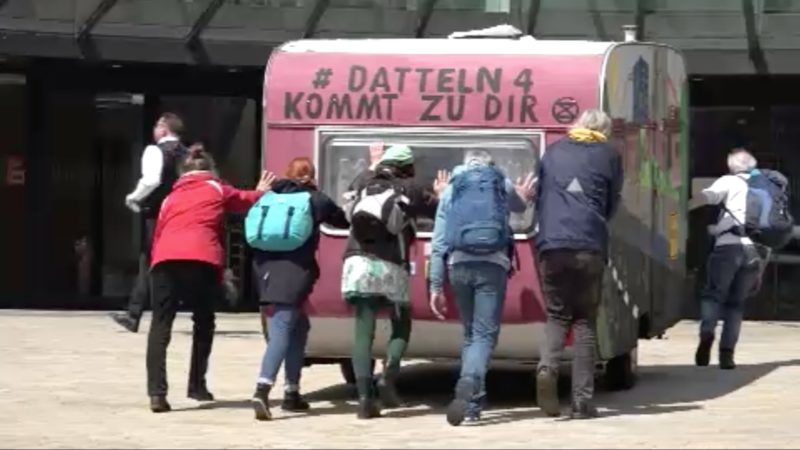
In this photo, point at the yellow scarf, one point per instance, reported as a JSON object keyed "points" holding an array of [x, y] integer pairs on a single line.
{"points": [[586, 135]]}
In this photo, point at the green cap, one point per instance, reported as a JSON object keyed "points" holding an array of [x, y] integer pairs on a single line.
{"points": [[400, 154]]}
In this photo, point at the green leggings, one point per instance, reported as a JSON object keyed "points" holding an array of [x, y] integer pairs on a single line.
{"points": [[367, 309]]}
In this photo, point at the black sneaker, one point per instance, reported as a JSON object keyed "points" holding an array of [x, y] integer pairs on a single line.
{"points": [[159, 404], [583, 411], [126, 321], [294, 402], [260, 402], [726, 361], [201, 395], [387, 391], [703, 355], [367, 408], [457, 410], [547, 392]]}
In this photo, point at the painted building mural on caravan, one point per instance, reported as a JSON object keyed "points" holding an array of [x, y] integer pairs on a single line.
{"points": [[646, 94]]}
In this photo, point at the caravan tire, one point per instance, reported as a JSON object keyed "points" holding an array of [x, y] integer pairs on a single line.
{"points": [[621, 372]]}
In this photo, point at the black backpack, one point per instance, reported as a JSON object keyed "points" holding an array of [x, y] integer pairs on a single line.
{"points": [[767, 219], [379, 210]]}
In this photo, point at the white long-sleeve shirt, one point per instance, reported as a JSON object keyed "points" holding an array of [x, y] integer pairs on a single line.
{"points": [[730, 190], [152, 165]]}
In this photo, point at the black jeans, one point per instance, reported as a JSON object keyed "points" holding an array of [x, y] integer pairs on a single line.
{"points": [[140, 296], [572, 283], [194, 284]]}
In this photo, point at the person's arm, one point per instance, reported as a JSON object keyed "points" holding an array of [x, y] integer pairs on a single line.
{"points": [[439, 244], [238, 201], [516, 204], [423, 201], [617, 180], [712, 195], [330, 213], [152, 165]]}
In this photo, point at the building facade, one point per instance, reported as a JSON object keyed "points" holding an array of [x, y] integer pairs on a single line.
{"points": [[81, 82]]}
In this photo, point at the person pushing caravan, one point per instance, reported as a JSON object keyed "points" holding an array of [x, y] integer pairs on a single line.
{"points": [[187, 267], [472, 236], [283, 229], [376, 270]]}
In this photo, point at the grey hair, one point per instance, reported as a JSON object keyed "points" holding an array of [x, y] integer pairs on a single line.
{"points": [[741, 161], [594, 119], [477, 155]]}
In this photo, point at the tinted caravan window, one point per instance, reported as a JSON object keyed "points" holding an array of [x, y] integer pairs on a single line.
{"points": [[343, 154]]}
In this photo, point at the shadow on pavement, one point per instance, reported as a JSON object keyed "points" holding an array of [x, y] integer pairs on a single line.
{"points": [[427, 389], [661, 388]]}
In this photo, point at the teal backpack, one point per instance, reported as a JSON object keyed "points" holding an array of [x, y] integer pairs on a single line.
{"points": [[279, 222]]}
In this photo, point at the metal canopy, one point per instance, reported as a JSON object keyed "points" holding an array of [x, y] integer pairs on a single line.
{"points": [[192, 39], [83, 37], [753, 42], [638, 19], [424, 17], [533, 14], [320, 6]]}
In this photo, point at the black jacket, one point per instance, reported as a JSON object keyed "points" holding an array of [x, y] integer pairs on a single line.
{"points": [[422, 203], [579, 191], [289, 277]]}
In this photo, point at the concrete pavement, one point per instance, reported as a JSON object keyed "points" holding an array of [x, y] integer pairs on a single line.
{"points": [[72, 380]]}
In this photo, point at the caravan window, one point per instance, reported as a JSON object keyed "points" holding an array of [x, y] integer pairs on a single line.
{"points": [[343, 154]]}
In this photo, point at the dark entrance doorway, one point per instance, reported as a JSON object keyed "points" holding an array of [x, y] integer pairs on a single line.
{"points": [[761, 114], [88, 128]]}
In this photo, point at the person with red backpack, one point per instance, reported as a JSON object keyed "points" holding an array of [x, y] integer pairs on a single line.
{"points": [[472, 236], [187, 264]]}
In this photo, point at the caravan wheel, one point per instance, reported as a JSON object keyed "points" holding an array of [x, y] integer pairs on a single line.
{"points": [[346, 366], [622, 371]]}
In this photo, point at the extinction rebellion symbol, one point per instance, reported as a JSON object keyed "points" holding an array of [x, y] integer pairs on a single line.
{"points": [[565, 110]]}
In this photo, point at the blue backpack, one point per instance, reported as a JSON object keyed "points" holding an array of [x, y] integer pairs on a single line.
{"points": [[279, 222], [478, 220], [767, 218]]}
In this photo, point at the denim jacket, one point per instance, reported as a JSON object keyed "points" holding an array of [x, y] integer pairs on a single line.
{"points": [[439, 247]]}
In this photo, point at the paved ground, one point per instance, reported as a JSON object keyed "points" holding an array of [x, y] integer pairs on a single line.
{"points": [[73, 380]]}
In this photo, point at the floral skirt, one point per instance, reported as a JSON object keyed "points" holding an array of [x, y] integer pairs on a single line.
{"points": [[365, 276]]}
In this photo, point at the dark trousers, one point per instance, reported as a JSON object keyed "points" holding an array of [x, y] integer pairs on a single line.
{"points": [[196, 285], [367, 310], [732, 275], [140, 296], [571, 281]]}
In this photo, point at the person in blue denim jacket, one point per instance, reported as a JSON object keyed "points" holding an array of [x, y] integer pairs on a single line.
{"points": [[479, 284]]}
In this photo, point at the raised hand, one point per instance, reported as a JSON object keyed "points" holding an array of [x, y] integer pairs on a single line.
{"points": [[265, 182], [375, 154], [441, 182], [526, 188]]}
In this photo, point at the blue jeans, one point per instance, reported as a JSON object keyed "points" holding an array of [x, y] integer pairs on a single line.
{"points": [[288, 334], [732, 274], [480, 290]]}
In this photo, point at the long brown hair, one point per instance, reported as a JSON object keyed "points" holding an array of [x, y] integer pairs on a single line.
{"points": [[302, 170]]}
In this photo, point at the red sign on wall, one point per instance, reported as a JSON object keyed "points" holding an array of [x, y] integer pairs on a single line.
{"points": [[15, 171]]}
